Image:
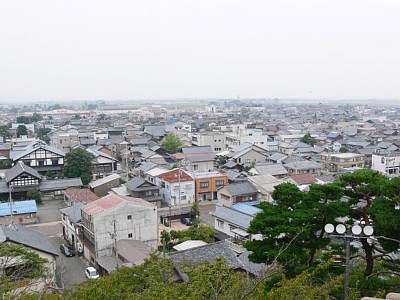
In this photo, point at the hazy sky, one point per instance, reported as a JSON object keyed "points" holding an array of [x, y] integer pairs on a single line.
{"points": [[94, 49]]}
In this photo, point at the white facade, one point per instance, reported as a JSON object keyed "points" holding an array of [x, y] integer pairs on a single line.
{"points": [[388, 165], [216, 140], [170, 192]]}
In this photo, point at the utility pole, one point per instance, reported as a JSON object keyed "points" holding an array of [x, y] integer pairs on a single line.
{"points": [[114, 237], [11, 203]]}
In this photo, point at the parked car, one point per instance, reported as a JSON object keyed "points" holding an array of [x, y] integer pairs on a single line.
{"points": [[91, 273], [187, 221], [67, 250]]}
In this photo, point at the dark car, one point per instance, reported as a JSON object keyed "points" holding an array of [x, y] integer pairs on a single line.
{"points": [[67, 250], [187, 221]]}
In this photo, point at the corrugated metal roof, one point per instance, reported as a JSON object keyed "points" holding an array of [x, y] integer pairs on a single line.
{"points": [[18, 207], [60, 184], [233, 216], [104, 180], [247, 209]]}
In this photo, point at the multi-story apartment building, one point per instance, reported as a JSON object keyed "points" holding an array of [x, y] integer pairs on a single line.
{"points": [[208, 183], [216, 140], [112, 218], [337, 161]]}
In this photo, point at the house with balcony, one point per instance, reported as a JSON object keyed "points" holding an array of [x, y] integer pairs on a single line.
{"points": [[176, 187], [140, 188], [112, 218], [388, 163], [208, 184]]}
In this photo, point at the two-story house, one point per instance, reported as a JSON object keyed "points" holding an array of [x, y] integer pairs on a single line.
{"points": [[208, 183], [112, 218], [237, 192], [40, 156], [176, 187], [139, 188]]}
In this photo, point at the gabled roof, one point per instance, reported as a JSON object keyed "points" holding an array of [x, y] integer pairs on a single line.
{"points": [[233, 216], [200, 158], [25, 236], [134, 183], [32, 147], [81, 195], [204, 253], [104, 180], [19, 169], [304, 178], [60, 184], [147, 166], [197, 150], [73, 212], [102, 205], [241, 188]]}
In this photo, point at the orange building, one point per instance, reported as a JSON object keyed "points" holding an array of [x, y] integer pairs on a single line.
{"points": [[208, 183]]}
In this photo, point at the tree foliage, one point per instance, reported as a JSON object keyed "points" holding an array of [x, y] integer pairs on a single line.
{"points": [[308, 139], [22, 130], [171, 143], [295, 222], [34, 194], [19, 266], [5, 132], [28, 120], [79, 163]]}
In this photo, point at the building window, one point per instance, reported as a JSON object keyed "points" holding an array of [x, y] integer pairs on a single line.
{"points": [[220, 223], [129, 217], [41, 163], [219, 182], [54, 162], [232, 227], [204, 184], [195, 167], [183, 197], [129, 235]]}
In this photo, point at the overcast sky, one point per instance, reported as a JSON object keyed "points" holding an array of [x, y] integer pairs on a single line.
{"points": [[145, 49]]}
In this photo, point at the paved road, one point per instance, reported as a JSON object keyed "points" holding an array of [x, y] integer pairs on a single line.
{"points": [[205, 216], [70, 270], [49, 211]]}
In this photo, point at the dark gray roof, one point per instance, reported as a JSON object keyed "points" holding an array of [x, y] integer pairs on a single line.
{"points": [[241, 188], [33, 146], [197, 149], [19, 169], [28, 237], [139, 141], [204, 253], [253, 268], [60, 184], [73, 212], [233, 216], [134, 183]]}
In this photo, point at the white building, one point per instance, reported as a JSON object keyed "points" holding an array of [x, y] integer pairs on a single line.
{"points": [[388, 164], [113, 218], [176, 187]]}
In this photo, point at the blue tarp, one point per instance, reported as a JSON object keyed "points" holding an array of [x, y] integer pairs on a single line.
{"points": [[18, 207]]}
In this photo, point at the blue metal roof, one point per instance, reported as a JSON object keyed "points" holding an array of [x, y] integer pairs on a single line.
{"points": [[252, 203], [247, 209], [18, 207]]}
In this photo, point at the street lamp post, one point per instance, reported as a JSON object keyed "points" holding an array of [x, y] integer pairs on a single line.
{"points": [[357, 232], [10, 189]]}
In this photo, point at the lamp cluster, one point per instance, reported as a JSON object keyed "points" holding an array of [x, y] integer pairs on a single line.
{"points": [[356, 229]]}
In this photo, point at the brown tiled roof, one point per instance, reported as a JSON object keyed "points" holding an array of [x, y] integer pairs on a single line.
{"points": [[304, 178], [81, 195]]}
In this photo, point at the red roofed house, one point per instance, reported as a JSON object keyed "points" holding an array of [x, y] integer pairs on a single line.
{"points": [[303, 179], [73, 196], [176, 187], [116, 217]]}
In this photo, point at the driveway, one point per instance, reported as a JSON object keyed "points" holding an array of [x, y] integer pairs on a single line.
{"points": [[49, 211]]}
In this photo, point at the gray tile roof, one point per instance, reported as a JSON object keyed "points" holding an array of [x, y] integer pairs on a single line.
{"points": [[242, 188], [204, 253], [73, 212], [147, 166], [19, 169], [35, 145], [200, 158], [197, 149], [233, 216], [134, 183], [60, 184], [28, 237]]}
